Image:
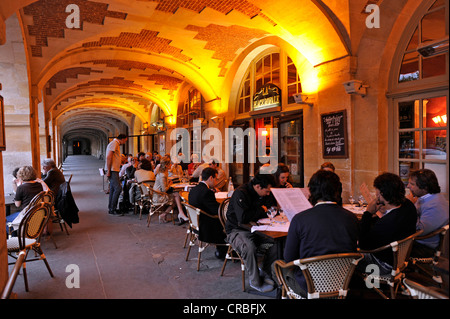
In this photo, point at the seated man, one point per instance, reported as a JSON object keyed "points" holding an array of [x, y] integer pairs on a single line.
{"points": [[432, 209], [221, 179], [324, 229], [248, 204], [202, 196], [398, 221], [52, 176]]}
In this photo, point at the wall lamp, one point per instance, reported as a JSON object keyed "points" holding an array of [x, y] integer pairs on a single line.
{"points": [[355, 87], [303, 99]]}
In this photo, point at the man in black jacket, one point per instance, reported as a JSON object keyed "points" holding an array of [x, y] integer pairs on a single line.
{"points": [[248, 204], [202, 196], [52, 176]]}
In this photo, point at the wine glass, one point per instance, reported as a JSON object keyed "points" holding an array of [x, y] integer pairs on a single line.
{"points": [[361, 201], [271, 212], [351, 199]]}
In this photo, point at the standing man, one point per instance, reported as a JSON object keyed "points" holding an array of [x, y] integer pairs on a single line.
{"points": [[202, 196], [113, 161], [248, 204], [432, 210]]}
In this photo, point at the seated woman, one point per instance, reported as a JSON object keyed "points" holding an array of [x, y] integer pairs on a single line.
{"points": [[162, 184], [282, 175], [29, 186], [176, 169], [144, 172]]}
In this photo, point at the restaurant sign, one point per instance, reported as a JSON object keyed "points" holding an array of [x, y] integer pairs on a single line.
{"points": [[268, 96]]}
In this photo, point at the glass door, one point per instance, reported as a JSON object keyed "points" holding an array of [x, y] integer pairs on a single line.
{"points": [[291, 147]]}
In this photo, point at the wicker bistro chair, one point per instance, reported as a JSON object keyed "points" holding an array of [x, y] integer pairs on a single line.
{"points": [[155, 207], [419, 291], [194, 224], [29, 235], [231, 253], [400, 250], [327, 276], [422, 263], [144, 199]]}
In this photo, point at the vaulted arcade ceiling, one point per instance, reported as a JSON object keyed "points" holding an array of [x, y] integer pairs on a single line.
{"points": [[133, 55]]}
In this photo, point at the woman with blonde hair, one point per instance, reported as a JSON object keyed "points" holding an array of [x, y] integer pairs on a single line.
{"points": [[162, 184], [29, 187]]}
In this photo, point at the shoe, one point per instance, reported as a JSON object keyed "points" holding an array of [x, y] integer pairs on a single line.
{"points": [[220, 254], [266, 278], [115, 213], [262, 288]]}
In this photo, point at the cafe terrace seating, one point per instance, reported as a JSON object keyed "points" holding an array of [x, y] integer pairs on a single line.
{"points": [[327, 276], [156, 207], [194, 223], [422, 263], [29, 236], [400, 250], [419, 291], [231, 253]]}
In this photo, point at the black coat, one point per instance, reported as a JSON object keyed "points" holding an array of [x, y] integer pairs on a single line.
{"points": [[66, 205], [211, 230]]}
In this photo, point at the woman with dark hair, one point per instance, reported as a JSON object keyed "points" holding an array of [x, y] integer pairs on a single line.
{"points": [[144, 171], [282, 175]]}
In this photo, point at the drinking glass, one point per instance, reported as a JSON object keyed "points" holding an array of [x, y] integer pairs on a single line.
{"points": [[271, 212], [351, 200], [361, 201]]}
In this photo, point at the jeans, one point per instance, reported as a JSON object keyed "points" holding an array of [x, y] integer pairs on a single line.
{"points": [[114, 191]]}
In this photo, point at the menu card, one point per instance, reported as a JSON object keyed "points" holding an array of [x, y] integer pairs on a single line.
{"points": [[291, 200]]}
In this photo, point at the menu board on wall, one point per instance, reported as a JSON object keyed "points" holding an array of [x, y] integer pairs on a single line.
{"points": [[334, 134]]}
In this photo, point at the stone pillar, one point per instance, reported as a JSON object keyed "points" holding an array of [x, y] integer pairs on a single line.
{"points": [[34, 130]]}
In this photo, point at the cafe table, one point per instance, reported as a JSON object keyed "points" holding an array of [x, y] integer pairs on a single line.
{"points": [[355, 209], [9, 202]]}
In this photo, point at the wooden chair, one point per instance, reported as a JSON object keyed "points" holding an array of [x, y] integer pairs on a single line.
{"points": [[421, 263], [419, 291], [194, 223], [400, 250], [327, 276], [231, 253], [29, 236]]}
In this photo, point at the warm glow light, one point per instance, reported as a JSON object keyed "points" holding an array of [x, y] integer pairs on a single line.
{"points": [[436, 119], [440, 119], [264, 133]]}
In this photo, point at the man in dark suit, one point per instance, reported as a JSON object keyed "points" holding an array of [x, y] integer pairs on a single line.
{"points": [[202, 196], [52, 176]]}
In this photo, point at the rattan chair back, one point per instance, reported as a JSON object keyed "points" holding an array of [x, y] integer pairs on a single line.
{"points": [[223, 208], [419, 291], [33, 223], [327, 276]]}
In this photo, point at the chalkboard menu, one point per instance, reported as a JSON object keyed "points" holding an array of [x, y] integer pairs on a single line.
{"points": [[334, 135]]}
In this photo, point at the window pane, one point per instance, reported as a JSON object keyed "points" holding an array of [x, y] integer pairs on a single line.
{"points": [[276, 77], [409, 144], [433, 66], [409, 70], [408, 114], [435, 112], [246, 90], [433, 26], [266, 78], [247, 104], [434, 144], [266, 63], [241, 105], [414, 42], [275, 61], [258, 70], [292, 74]]}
